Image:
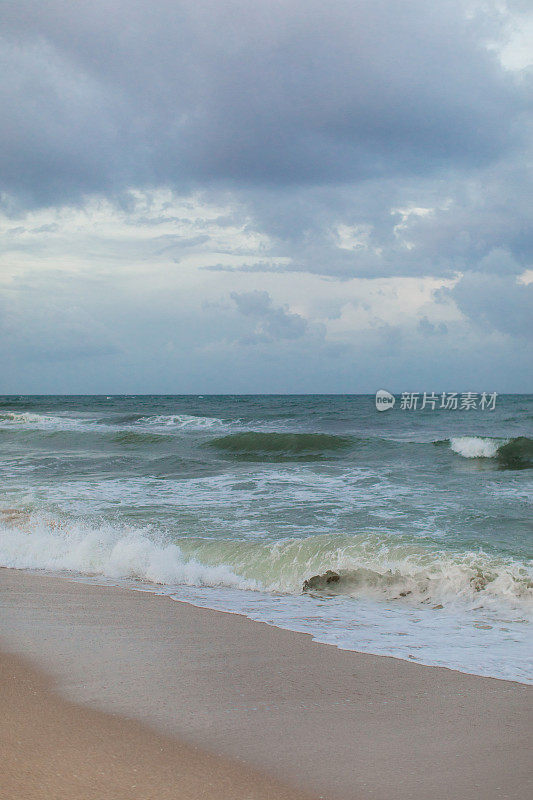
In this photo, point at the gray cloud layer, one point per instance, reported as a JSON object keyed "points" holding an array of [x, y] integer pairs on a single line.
{"points": [[359, 138], [103, 95]]}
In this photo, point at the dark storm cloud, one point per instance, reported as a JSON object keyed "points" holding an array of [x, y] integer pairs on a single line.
{"points": [[99, 96]]}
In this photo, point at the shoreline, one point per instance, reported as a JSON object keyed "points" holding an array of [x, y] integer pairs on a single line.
{"points": [[130, 585], [341, 724]]}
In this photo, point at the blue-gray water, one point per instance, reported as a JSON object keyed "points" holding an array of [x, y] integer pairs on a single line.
{"points": [[233, 502]]}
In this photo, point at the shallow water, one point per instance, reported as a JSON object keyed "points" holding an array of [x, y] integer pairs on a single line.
{"points": [[234, 502]]}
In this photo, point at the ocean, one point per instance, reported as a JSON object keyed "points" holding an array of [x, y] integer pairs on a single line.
{"points": [[404, 533]]}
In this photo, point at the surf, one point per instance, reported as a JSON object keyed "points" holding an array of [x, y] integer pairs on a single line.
{"points": [[364, 565]]}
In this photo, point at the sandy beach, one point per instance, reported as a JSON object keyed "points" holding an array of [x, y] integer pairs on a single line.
{"points": [[55, 749], [203, 704]]}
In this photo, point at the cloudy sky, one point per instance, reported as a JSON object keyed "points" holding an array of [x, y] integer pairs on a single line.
{"points": [[265, 196]]}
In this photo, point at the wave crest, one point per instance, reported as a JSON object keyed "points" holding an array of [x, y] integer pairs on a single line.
{"points": [[475, 446], [514, 453], [254, 445], [517, 453]]}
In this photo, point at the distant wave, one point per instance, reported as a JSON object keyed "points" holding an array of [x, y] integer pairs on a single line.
{"points": [[45, 422], [181, 421], [27, 420], [367, 565], [254, 445], [514, 453]]}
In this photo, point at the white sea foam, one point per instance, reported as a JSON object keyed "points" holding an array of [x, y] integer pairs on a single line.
{"points": [[476, 446], [238, 502]]}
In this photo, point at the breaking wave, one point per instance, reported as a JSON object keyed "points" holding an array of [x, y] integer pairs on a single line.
{"points": [[28, 542], [514, 453], [255, 445], [475, 446], [471, 579], [366, 565]]}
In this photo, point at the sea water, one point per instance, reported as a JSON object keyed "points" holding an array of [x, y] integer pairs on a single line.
{"points": [[234, 502]]}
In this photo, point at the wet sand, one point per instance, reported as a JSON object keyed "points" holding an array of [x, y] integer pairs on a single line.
{"points": [[197, 697]]}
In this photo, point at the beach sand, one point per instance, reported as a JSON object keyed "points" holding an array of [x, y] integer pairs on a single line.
{"points": [[204, 704], [51, 748]]}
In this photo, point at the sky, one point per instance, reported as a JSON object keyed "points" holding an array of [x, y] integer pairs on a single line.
{"points": [[267, 196]]}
